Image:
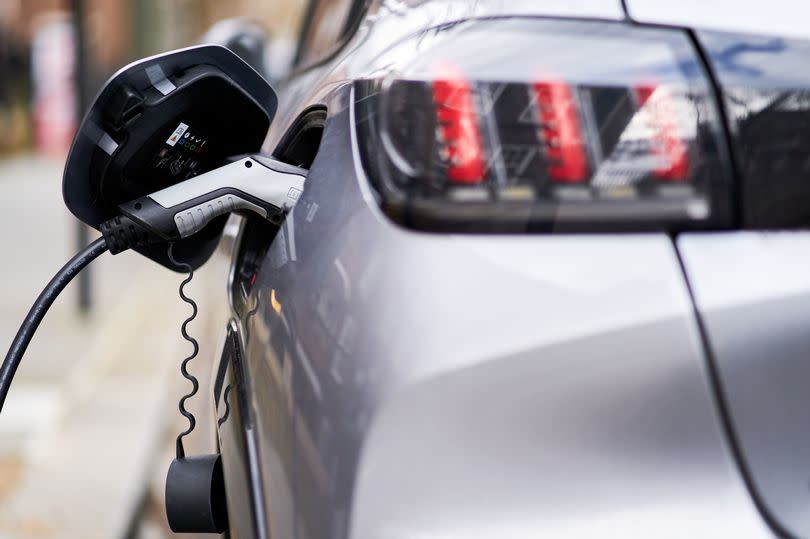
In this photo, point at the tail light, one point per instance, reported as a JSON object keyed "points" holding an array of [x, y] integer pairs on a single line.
{"points": [[458, 127], [538, 125]]}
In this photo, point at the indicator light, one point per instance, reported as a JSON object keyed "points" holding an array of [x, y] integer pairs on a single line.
{"points": [[667, 144], [561, 132], [458, 125]]}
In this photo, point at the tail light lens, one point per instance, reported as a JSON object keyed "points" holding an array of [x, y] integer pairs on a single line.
{"points": [[538, 125]]}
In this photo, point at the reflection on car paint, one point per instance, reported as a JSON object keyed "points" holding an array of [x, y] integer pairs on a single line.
{"points": [[765, 89]]}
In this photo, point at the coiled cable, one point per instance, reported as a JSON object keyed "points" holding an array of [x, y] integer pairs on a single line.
{"points": [[195, 385]]}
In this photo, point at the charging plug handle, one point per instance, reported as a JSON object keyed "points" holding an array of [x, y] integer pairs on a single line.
{"points": [[256, 184]]}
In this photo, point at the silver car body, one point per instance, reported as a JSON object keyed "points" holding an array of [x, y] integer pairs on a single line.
{"points": [[407, 385]]}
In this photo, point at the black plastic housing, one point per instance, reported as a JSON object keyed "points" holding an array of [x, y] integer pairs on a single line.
{"points": [[195, 495], [160, 121]]}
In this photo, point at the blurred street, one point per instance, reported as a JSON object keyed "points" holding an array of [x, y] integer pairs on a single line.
{"points": [[89, 423]]}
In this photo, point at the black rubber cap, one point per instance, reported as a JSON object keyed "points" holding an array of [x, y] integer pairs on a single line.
{"points": [[195, 495]]}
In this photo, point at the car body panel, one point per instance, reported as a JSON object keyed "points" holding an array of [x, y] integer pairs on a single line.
{"points": [[408, 384], [387, 23], [753, 293], [751, 288], [785, 18], [235, 440], [449, 377]]}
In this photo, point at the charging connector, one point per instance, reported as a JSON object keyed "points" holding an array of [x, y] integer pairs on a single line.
{"points": [[256, 184]]}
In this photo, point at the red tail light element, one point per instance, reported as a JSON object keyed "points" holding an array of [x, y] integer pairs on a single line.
{"points": [[667, 144], [560, 128], [458, 125]]}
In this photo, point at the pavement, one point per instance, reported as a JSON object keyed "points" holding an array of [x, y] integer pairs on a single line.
{"points": [[88, 427]]}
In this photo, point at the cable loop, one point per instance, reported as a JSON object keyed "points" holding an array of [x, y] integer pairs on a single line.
{"points": [[195, 385]]}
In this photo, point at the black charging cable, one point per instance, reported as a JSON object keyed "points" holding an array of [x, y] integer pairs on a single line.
{"points": [[118, 234], [187, 208], [40, 307]]}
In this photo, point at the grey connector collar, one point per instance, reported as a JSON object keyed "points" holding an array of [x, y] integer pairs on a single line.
{"points": [[194, 219]]}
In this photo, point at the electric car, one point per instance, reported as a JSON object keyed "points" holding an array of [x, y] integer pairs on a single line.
{"points": [[547, 277]]}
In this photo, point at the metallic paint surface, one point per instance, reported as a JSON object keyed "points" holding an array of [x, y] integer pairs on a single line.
{"points": [[411, 385], [753, 292], [752, 289], [233, 425], [786, 18], [420, 385]]}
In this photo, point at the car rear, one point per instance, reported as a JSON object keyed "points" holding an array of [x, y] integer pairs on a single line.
{"points": [[526, 290]]}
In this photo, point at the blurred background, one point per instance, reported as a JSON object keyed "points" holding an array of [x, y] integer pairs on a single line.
{"points": [[88, 429]]}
